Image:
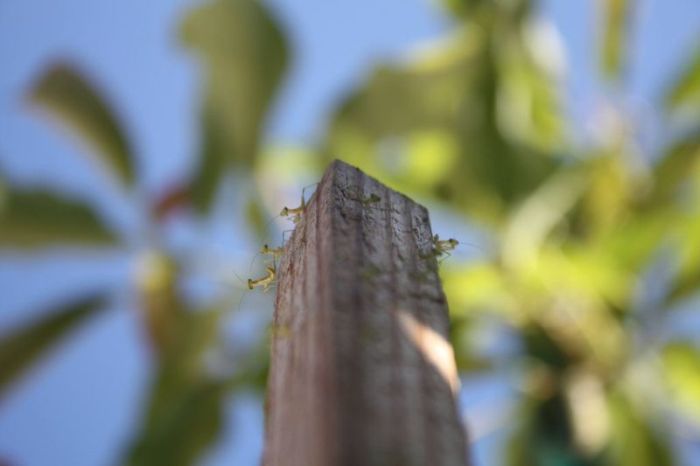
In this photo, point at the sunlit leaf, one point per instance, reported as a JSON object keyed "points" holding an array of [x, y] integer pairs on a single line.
{"points": [[67, 96], [685, 92], [610, 190], [479, 286], [675, 167], [244, 56], [636, 439], [535, 218], [39, 218], [528, 100], [160, 301], [632, 243], [449, 93], [687, 278], [21, 348], [682, 368], [616, 15]]}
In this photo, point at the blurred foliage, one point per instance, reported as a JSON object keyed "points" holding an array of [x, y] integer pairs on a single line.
{"points": [[20, 349], [244, 56], [615, 21], [476, 125], [32, 219], [685, 94], [65, 94]]}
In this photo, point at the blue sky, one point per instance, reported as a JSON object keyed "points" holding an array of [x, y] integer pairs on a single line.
{"points": [[79, 405]]}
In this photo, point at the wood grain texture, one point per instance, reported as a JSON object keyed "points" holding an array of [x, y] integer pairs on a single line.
{"points": [[362, 372]]}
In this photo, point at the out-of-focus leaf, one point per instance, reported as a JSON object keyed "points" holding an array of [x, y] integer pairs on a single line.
{"points": [[633, 242], [686, 285], [682, 368], [39, 218], [616, 15], [528, 100], [685, 92], [185, 408], [610, 190], [543, 436], [73, 101], [539, 214], [160, 300], [467, 353], [20, 349], [378, 126], [586, 278], [461, 8], [255, 215], [636, 440], [189, 423], [677, 165], [253, 367], [480, 286], [245, 56], [687, 278], [212, 163], [450, 94]]}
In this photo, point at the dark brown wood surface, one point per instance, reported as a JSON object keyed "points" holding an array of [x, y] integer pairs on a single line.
{"points": [[362, 372]]}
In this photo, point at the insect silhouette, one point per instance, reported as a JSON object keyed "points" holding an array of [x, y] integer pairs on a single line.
{"points": [[442, 247], [274, 252], [265, 281], [296, 212]]}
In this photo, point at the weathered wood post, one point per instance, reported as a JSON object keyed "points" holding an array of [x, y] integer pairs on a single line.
{"points": [[362, 372]]}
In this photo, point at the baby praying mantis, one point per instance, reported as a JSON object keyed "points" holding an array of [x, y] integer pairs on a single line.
{"points": [[442, 247], [265, 281], [274, 252], [296, 212], [269, 278]]}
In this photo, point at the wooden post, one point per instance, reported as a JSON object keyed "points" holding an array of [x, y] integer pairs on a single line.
{"points": [[362, 372]]}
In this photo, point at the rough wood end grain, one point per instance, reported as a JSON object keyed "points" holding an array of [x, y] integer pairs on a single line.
{"points": [[362, 372]]}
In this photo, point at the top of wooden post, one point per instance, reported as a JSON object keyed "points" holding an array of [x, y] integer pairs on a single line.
{"points": [[362, 371]]}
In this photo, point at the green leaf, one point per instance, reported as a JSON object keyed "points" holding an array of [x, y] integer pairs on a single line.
{"points": [[636, 439], [39, 218], [450, 96], [188, 424], [20, 349], [184, 411], [677, 165], [685, 92], [461, 8], [686, 280], [212, 163], [682, 369], [67, 96], [542, 435], [616, 14], [244, 55]]}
